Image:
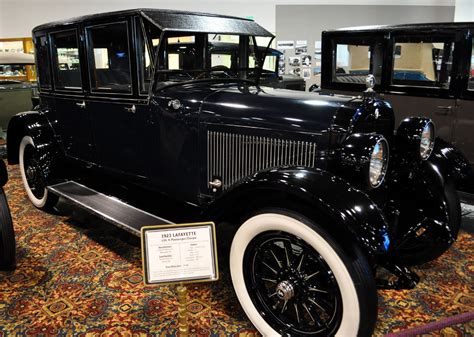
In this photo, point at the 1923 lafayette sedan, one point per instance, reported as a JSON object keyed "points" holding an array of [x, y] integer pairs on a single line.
{"points": [[320, 190]]}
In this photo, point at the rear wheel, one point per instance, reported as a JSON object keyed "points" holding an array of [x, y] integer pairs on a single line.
{"points": [[293, 279], [32, 176]]}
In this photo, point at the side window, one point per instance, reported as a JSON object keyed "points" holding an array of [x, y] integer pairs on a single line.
{"points": [[42, 60], [421, 62], [66, 66], [470, 85], [109, 58], [145, 56], [351, 63]]}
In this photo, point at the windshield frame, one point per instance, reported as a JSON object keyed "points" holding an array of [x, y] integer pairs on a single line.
{"points": [[157, 52]]}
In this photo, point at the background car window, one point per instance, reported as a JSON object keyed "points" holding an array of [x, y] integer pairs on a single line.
{"points": [[181, 53], [42, 58], [67, 70], [352, 63], [221, 61], [224, 51], [422, 63], [470, 85], [109, 55]]}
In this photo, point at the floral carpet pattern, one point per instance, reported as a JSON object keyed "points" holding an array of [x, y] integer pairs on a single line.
{"points": [[79, 276]]}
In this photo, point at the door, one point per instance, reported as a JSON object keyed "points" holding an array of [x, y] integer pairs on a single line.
{"points": [[420, 79], [463, 131], [118, 115], [69, 99]]}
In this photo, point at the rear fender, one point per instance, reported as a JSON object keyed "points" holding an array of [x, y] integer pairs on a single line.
{"points": [[38, 127], [346, 213]]}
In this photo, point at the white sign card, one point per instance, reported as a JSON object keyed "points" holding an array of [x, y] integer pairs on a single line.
{"points": [[282, 45], [179, 253]]}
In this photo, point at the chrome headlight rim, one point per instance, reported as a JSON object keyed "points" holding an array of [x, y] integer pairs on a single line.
{"points": [[379, 158], [427, 140]]}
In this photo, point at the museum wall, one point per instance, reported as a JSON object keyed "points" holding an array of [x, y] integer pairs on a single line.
{"points": [[35, 12], [464, 11], [18, 17], [292, 23]]}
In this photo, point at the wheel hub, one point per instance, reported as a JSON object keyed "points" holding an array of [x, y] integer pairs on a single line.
{"points": [[285, 291], [31, 172]]}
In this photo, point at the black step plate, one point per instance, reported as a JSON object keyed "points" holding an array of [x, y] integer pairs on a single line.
{"points": [[107, 207]]}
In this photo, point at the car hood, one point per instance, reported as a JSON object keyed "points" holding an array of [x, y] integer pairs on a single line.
{"points": [[276, 109]]}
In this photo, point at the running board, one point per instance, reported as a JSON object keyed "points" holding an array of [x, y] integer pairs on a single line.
{"points": [[109, 208]]}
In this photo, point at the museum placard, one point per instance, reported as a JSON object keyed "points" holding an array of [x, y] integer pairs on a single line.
{"points": [[179, 253]]}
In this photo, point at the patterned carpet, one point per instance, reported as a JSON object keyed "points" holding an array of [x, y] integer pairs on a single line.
{"points": [[79, 276]]}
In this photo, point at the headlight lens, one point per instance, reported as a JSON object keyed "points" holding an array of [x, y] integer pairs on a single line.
{"points": [[378, 163], [427, 140]]}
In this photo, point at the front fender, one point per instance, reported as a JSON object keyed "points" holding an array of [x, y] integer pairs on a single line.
{"points": [[447, 161], [348, 214], [38, 127]]}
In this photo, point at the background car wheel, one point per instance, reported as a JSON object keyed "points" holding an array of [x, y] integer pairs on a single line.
{"points": [[7, 235], [32, 176], [292, 278]]}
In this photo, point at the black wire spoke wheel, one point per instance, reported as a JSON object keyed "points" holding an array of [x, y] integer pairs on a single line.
{"points": [[292, 286], [33, 172]]}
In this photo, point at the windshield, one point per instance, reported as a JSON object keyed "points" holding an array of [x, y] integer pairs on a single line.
{"points": [[196, 56]]}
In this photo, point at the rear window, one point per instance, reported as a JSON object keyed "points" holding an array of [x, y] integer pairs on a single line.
{"points": [[42, 59]]}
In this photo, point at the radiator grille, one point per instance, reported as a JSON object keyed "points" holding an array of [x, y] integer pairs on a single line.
{"points": [[232, 157]]}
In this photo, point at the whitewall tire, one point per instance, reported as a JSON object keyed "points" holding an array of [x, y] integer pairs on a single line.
{"points": [[274, 235], [31, 176]]}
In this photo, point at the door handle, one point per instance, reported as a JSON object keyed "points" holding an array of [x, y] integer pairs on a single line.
{"points": [[132, 109], [444, 110], [81, 105]]}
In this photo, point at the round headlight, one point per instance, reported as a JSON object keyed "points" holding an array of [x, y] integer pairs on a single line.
{"points": [[427, 140], [378, 163]]}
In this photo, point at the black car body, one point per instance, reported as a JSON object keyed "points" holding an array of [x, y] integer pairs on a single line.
{"points": [[421, 69], [317, 189]]}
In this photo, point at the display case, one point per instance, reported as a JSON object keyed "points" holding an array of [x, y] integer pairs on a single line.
{"points": [[17, 72]]}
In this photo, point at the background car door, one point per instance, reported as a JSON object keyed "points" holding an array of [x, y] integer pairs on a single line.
{"points": [[420, 80], [118, 116], [464, 126]]}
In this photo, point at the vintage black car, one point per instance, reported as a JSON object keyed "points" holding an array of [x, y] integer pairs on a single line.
{"points": [[320, 190], [422, 70]]}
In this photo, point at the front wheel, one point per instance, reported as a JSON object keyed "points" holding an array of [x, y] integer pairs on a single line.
{"points": [[32, 176], [293, 279]]}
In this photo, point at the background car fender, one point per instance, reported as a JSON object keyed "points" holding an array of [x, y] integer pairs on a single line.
{"points": [[447, 161], [38, 127], [345, 212]]}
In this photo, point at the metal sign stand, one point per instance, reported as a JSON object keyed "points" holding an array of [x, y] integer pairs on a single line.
{"points": [[182, 293]]}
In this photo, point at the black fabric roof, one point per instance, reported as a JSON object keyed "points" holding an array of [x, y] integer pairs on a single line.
{"points": [[171, 20], [198, 22]]}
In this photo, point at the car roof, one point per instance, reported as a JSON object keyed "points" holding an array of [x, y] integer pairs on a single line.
{"points": [[172, 20], [410, 26]]}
